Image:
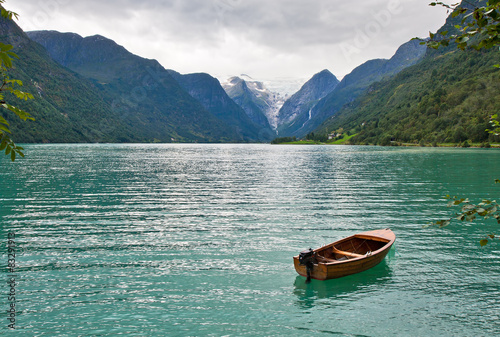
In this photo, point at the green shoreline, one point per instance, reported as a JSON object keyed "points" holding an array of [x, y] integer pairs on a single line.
{"points": [[448, 145]]}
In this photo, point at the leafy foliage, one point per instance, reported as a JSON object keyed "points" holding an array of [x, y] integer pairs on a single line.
{"points": [[451, 96], [486, 209], [483, 24], [9, 85], [479, 26], [6, 13]]}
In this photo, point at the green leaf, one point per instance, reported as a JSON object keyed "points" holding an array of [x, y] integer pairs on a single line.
{"points": [[3, 121], [470, 217], [442, 223], [12, 55], [20, 113], [470, 209], [18, 82], [5, 47], [13, 155], [6, 60], [468, 15], [8, 14], [22, 95], [433, 44], [4, 128], [482, 212], [483, 242]]}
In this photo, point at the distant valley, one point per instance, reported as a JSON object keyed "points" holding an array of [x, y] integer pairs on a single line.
{"points": [[93, 90]]}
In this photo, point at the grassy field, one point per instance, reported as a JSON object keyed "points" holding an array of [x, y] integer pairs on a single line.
{"points": [[345, 141], [341, 141]]}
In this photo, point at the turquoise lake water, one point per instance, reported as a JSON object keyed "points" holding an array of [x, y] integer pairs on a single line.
{"points": [[197, 240]]}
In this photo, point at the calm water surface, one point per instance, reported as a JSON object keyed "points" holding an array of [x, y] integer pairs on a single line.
{"points": [[197, 240]]}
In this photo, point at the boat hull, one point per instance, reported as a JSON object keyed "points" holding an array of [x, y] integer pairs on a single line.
{"points": [[338, 266]]}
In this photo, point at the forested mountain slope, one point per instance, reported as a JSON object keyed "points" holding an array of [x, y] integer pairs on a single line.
{"points": [[209, 92], [142, 92], [355, 84], [67, 107], [448, 97]]}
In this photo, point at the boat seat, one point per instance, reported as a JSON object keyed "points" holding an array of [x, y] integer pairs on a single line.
{"points": [[338, 251]]}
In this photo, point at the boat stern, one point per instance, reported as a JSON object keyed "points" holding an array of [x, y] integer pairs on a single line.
{"points": [[319, 271]]}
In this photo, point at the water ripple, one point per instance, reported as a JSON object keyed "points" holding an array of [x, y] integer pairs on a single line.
{"points": [[198, 240]]}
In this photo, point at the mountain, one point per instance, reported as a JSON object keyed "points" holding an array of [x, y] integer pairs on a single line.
{"points": [[209, 92], [448, 97], [297, 109], [354, 84], [140, 91], [67, 107], [260, 104]]}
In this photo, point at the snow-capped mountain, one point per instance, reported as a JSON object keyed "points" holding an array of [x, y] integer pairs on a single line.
{"points": [[259, 102]]}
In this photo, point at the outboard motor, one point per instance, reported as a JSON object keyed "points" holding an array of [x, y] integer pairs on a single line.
{"points": [[308, 258]]}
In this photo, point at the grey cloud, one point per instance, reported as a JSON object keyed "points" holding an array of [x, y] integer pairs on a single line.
{"points": [[300, 34], [279, 24]]}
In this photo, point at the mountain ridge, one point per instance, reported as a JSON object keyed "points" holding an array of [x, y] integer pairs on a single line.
{"points": [[447, 97], [354, 84], [259, 103], [297, 109], [66, 107], [140, 90], [209, 92]]}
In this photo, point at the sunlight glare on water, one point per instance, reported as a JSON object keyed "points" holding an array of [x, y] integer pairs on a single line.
{"points": [[197, 240]]}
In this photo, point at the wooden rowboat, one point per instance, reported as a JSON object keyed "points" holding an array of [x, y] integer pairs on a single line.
{"points": [[347, 256]]}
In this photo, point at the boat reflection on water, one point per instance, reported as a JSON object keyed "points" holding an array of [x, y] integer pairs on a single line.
{"points": [[309, 293]]}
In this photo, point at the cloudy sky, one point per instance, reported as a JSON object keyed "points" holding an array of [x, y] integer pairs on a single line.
{"points": [[265, 39]]}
